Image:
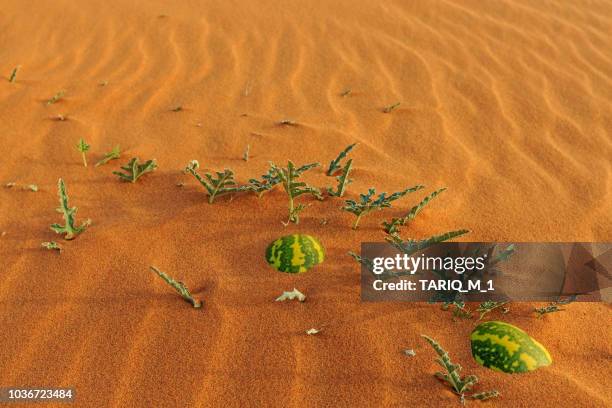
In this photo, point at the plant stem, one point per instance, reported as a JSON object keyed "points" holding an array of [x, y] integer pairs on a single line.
{"points": [[84, 159], [291, 215], [356, 223]]}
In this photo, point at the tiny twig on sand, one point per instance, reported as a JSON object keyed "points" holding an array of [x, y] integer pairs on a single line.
{"points": [[391, 108], [13, 76]]}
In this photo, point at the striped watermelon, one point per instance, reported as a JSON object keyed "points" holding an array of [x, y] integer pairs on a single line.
{"points": [[504, 347], [295, 253]]}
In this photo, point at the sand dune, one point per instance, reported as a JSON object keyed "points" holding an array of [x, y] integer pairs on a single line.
{"points": [[507, 103]]}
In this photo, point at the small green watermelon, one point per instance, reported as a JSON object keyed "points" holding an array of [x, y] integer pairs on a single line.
{"points": [[504, 347], [295, 253]]}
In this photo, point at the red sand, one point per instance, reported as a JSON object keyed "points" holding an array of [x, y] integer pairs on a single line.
{"points": [[506, 103]]}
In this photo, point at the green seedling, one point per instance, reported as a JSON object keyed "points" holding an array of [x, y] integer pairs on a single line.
{"points": [[179, 287], [367, 203], [83, 147], [267, 182], [52, 246], [391, 108], [392, 227], [245, 155], [112, 155], [288, 177], [334, 165], [487, 307], [294, 294], [13, 76], [56, 97], [460, 310], [219, 184], [343, 180], [554, 306], [134, 170], [452, 376], [71, 230]]}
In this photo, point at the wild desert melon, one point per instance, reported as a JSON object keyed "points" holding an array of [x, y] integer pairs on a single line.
{"points": [[295, 253], [504, 347]]}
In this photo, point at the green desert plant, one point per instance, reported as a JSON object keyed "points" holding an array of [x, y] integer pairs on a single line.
{"points": [[487, 307], [179, 287], [393, 226], [411, 246], [334, 165], [291, 295], [59, 95], [83, 147], [52, 246], [391, 108], [343, 180], [268, 181], [460, 310], [134, 170], [367, 203], [368, 263], [13, 76], [219, 184], [554, 306], [112, 155], [70, 229], [452, 376], [288, 176]]}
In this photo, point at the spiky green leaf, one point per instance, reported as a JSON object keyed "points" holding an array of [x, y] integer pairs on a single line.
{"points": [[215, 185], [288, 176], [179, 287], [70, 229], [112, 155], [334, 165], [393, 226], [367, 203], [133, 170], [343, 180]]}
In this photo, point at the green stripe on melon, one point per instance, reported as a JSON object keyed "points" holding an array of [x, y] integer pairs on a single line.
{"points": [[504, 347], [295, 253]]}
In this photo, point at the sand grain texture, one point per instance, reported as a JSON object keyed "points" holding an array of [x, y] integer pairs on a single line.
{"points": [[507, 103]]}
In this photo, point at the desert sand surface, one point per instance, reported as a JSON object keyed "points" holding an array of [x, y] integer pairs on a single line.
{"points": [[506, 103]]}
